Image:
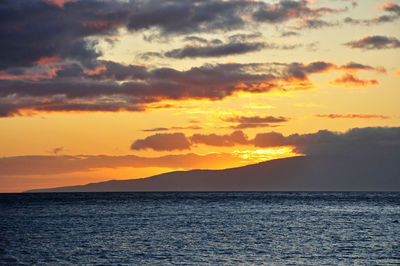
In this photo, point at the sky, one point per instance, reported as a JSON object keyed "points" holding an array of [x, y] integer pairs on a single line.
{"points": [[98, 90]]}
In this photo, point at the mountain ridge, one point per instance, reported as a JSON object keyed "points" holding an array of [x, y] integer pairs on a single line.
{"points": [[300, 173]]}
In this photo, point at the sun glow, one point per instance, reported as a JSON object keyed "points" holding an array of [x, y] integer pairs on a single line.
{"points": [[260, 155]]}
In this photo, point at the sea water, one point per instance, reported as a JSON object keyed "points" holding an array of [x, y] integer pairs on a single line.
{"points": [[200, 228]]}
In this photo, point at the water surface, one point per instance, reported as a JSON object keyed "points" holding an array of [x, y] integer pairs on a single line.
{"points": [[199, 228]]}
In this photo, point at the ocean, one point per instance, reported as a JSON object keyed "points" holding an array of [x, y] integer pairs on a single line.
{"points": [[297, 228]]}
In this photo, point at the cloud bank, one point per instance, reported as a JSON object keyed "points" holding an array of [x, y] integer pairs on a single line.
{"points": [[357, 141]]}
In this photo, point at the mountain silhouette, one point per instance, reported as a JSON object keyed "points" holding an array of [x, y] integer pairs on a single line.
{"points": [[301, 173]]}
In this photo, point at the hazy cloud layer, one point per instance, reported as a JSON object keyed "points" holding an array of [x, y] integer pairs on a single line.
{"points": [[193, 127], [356, 116], [48, 165], [242, 122]]}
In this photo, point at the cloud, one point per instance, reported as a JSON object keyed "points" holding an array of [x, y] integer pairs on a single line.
{"points": [[243, 122], [71, 23], [76, 24], [370, 141], [193, 127], [356, 116], [178, 141], [178, 17], [201, 47], [236, 137], [215, 50], [375, 42], [287, 9], [313, 23], [162, 142], [289, 33], [301, 71], [392, 14], [354, 142], [113, 87], [352, 80], [59, 164], [57, 150]]}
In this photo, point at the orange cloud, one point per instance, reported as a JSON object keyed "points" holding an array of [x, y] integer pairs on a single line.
{"points": [[48, 60], [350, 80], [95, 71], [388, 6]]}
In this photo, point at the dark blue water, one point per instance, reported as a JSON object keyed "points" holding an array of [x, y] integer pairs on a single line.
{"points": [[200, 228]]}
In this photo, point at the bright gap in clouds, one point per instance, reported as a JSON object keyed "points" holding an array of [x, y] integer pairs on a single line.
{"points": [[260, 155]]}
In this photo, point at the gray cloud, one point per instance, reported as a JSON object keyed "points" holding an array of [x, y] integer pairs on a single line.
{"points": [[375, 42], [215, 50], [355, 142], [236, 137], [392, 10], [353, 116], [162, 142], [243, 122], [113, 87], [287, 9]]}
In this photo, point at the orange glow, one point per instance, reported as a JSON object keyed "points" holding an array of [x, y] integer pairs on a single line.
{"points": [[47, 60], [60, 3], [387, 5], [95, 71], [260, 155], [47, 73]]}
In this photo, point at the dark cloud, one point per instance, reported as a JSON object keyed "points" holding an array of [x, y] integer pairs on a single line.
{"points": [[112, 87], [357, 141], [356, 116], [375, 42], [235, 44], [73, 22], [215, 50], [351, 66], [301, 71], [243, 122], [178, 141], [287, 9], [289, 33], [392, 10], [313, 23], [189, 16], [57, 150], [371, 141], [162, 142], [352, 80], [237, 137], [36, 29]]}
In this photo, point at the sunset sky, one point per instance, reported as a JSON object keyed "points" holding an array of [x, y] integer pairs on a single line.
{"points": [[98, 90]]}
